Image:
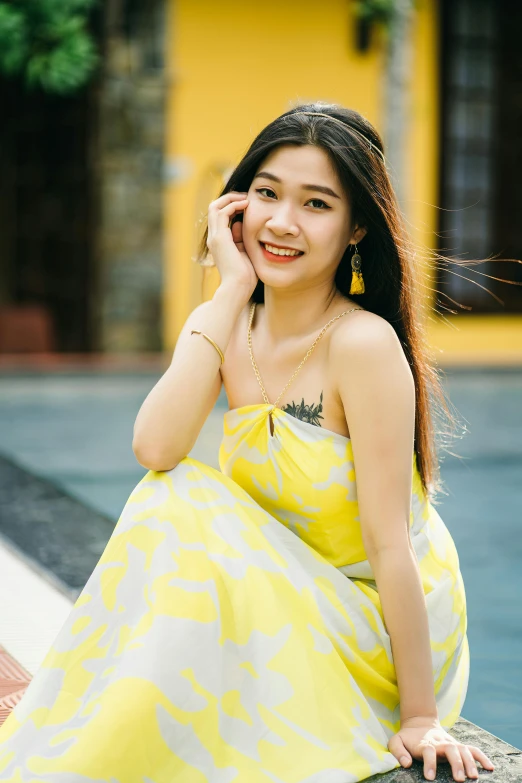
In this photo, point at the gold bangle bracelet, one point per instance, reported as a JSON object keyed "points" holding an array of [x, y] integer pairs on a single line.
{"points": [[218, 349]]}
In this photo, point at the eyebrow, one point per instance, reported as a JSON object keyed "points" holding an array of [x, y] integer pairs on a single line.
{"points": [[320, 188]]}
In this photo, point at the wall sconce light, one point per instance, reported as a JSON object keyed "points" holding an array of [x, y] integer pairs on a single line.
{"points": [[363, 31], [368, 13]]}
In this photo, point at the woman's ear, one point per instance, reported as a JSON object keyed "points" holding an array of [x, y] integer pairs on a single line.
{"points": [[359, 233]]}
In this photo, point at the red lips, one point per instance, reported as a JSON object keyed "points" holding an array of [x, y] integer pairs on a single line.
{"points": [[277, 258]]}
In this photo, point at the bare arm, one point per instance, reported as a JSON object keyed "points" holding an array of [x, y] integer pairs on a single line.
{"points": [[172, 415], [171, 418], [378, 394]]}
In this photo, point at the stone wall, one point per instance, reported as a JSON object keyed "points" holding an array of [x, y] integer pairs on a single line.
{"points": [[129, 165]]}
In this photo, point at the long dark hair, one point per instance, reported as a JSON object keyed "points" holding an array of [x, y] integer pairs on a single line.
{"points": [[387, 252]]}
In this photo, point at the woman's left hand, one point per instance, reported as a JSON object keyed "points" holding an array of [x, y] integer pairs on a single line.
{"points": [[424, 739]]}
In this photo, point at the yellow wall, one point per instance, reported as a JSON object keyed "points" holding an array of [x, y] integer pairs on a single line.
{"points": [[483, 340], [234, 66], [423, 140]]}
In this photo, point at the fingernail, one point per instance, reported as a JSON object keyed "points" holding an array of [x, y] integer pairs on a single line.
{"points": [[404, 760], [431, 774]]}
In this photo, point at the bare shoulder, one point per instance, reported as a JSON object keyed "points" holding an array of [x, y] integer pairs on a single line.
{"points": [[364, 330], [367, 341]]}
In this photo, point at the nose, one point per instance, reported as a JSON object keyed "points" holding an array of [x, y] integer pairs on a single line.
{"points": [[282, 220]]}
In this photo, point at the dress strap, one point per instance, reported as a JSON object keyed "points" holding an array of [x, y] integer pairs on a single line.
{"points": [[254, 365]]}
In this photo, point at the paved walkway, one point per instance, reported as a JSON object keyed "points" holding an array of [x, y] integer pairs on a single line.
{"points": [[74, 432]]}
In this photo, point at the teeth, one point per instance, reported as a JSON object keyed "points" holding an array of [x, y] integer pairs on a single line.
{"points": [[280, 252]]}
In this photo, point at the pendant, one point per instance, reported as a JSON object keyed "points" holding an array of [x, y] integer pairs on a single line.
{"points": [[271, 422]]}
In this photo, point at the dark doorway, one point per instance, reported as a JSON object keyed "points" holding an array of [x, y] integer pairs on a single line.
{"points": [[47, 209], [481, 128], [508, 163]]}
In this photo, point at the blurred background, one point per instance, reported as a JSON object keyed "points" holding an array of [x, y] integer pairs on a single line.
{"points": [[120, 121]]}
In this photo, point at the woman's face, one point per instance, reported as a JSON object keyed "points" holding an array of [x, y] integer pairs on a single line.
{"points": [[296, 201]]}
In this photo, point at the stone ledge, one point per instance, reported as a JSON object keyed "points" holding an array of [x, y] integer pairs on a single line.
{"points": [[506, 758], [52, 532]]}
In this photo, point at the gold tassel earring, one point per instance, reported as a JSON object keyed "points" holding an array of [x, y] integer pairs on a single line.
{"points": [[357, 286]]}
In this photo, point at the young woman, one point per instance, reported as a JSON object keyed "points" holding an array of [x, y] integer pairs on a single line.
{"points": [[299, 615]]}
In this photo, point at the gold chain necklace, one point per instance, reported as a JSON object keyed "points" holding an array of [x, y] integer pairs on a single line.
{"points": [[254, 365]]}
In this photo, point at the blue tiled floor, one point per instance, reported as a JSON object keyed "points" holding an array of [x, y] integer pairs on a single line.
{"points": [[77, 431]]}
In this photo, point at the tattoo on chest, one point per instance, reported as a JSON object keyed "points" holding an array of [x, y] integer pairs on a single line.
{"points": [[309, 413]]}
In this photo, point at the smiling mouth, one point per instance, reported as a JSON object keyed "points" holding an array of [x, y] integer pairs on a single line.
{"points": [[282, 254]]}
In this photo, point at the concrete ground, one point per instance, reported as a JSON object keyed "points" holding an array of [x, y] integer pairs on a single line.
{"points": [[66, 443]]}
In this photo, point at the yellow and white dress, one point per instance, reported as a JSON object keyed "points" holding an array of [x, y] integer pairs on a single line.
{"points": [[232, 630]]}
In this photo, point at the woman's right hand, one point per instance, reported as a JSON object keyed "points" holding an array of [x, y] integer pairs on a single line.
{"points": [[226, 243]]}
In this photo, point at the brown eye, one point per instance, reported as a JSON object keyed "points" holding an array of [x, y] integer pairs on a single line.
{"points": [[320, 201], [323, 204], [269, 189]]}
